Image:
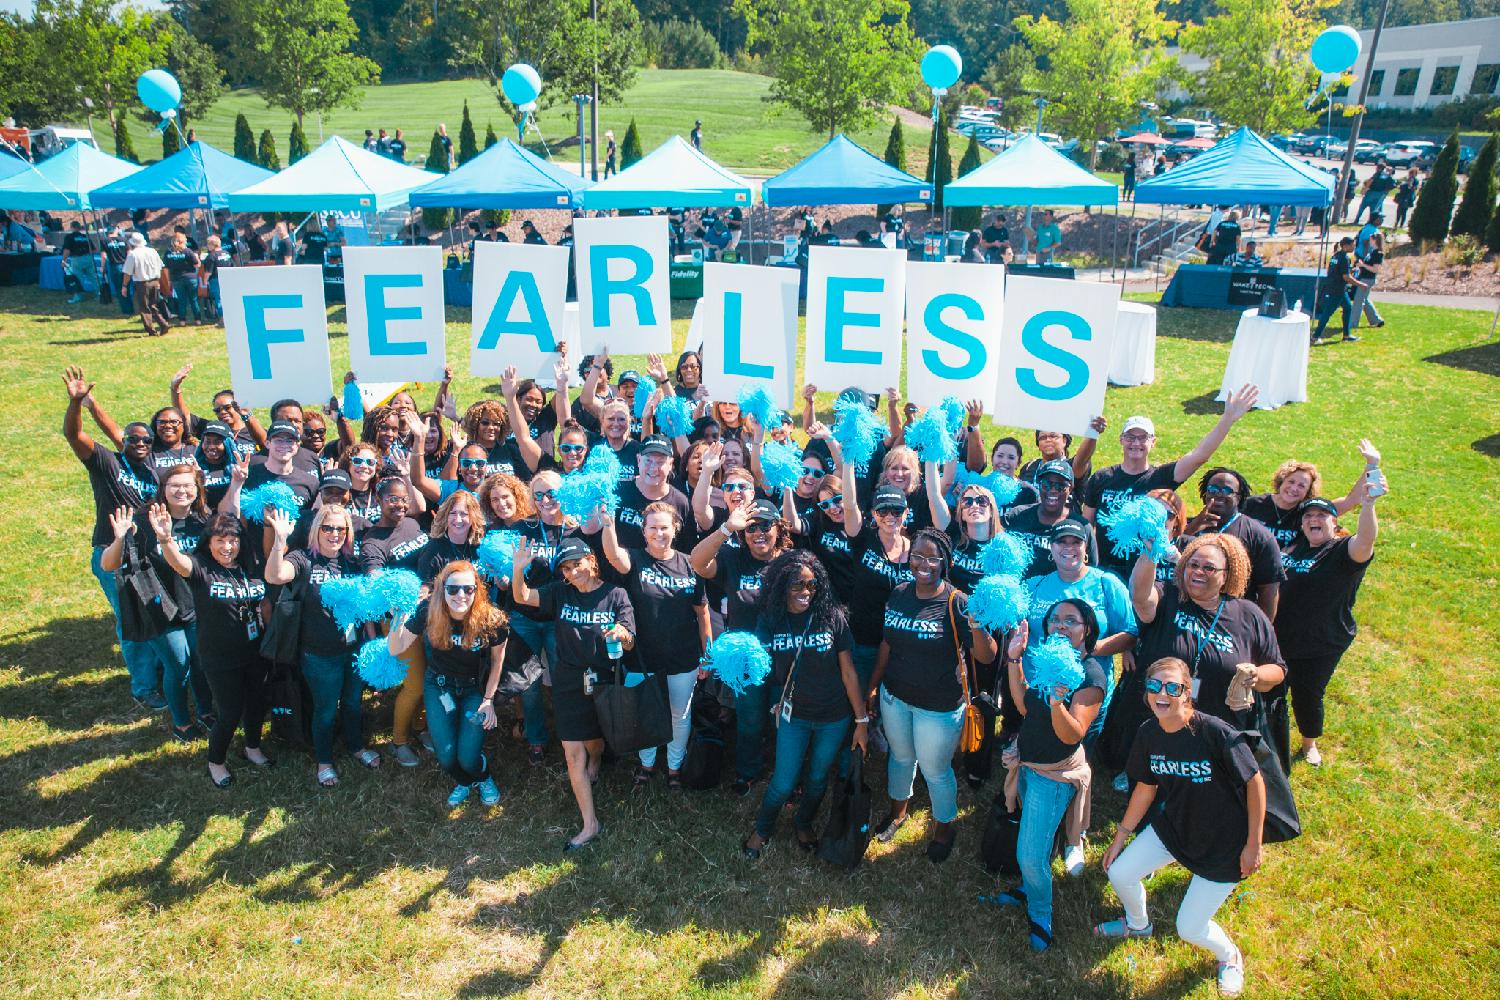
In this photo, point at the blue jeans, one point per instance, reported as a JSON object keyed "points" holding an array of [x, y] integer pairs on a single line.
{"points": [[177, 649], [1274, 219], [796, 741], [680, 696], [457, 739], [215, 296], [140, 659], [185, 297], [336, 691], [1334, 301], [750, 710], [919, 737], [542, 638], [1043, 802], [116, 282]]}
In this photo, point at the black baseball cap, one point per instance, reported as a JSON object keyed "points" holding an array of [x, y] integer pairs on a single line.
{"points": [[1055, 467], [335, 479], [1069, 528], [888, 496], [764, 510], [283, 427], [1317, 503], [217, 428], [655, 445], [629, 375], [855, 393], [570, 549]]}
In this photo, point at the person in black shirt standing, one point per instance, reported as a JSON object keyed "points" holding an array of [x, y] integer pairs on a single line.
{"points": [[995, 239], [1223, 492], [532, 236], [396, 148], [1368, 269], [1325, 567], [609, 155], [78, 262], [116, 248], [1226, 239], [1136, 476], [182, 264], [1213, 809], [214, 258], [1338, 285], [696, 136]]}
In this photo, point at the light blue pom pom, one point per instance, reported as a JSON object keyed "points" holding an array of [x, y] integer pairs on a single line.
{"points": [[739, 661], [1133, 523], [1004, 488], [999, 603], [930, 437], [781, 464], [1052, 662], [856, 429], [602, 460], [377, 667], [954, 412], [582, 493], [1005, 555], [642, 398], [757, 403], [674, 416], [497, 554], [344, 598], [275, 494], [392, 592]]}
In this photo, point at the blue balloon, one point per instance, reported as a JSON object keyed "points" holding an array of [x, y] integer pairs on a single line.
{"points": [[1335, 49], [941, 67], [521, 84], [158, 90]]}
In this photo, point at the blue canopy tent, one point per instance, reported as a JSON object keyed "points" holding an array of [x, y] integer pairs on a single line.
{"points": [[843, 173], [63, 183], [1030, 173], [197, 176], [504, 176], [12, 165], [338, 176], [673, 175]]}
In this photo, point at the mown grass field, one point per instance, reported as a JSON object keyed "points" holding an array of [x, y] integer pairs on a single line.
{"points": [[127, 875], [740, 129]]}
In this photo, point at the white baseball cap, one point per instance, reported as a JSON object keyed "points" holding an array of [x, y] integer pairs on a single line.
{"points": [[137, 240], [1139, 424]]}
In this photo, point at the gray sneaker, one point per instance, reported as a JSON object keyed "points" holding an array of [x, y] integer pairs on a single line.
{"points": [[406, 756], [425, 738], [153, 702]]}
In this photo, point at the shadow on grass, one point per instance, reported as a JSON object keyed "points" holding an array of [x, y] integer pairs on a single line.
{"points": [[1483, 358], [1488, 446], [1203, 404], [1215, 326]]}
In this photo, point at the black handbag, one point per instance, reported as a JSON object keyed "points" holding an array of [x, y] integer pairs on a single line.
{"points": [[1282, 821], [703, 768], [634, 718], [847, 835], [1127, 710], [289, 706], [979, 764], [997, 846], [282, 641]]}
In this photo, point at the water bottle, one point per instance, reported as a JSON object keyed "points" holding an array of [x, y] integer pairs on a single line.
{"points": [[613, 648], [1298, 307]]}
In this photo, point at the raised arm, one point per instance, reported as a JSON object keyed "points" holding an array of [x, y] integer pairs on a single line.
{"points": [[178, 399], [713, 458], [279, 570], [78, 390], [105, 422], [122, 523], [519, 589], [238, 473], [430, 489], [161, 526], [1143, 595], [704, 556], [809, 417], [589, 398], [854, 521], [618, 558], [941, 515], [1362, 546], [895, 427], [530, 451], [974, 456], [1240, 402], [1352, 499], [560, 374], [1015, 650], [1083, 458]]}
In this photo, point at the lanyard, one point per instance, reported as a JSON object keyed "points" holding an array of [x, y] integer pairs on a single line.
{"points": [[1211, 626]]}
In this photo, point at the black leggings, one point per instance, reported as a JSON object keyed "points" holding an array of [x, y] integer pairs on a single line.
{"points": [[1307, 678], [239, 687]]}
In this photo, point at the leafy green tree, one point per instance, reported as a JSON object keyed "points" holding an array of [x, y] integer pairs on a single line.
{"points": [[895, 154], [94, 50], [490, 138], [1478, 204], [266, 155], [630, 147], [299, 51], [837, 62], [969, 216], [468, 147], [171, 140], [223, 26], [1433, 213], [1257, 71], [1101, 64], [942, 164], [1005, 78], [296, 144], [244, 139], [1492, 233], [196, 68], [437, 161], [124, 147]]}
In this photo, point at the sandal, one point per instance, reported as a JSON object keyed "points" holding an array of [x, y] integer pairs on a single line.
{"points": [[886, 831], [643, 776], [674, 780], [1121, 929], [369, 758], [752, 853], [327, 777]]}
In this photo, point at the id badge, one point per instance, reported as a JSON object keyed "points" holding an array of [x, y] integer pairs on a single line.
{"points": [[446, 700], [1197, 687], [252, 629], [786, 711], [349, 634]]}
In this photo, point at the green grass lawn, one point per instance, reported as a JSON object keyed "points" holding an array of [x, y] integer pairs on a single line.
{"points": [[127, 875], [740, 129]]}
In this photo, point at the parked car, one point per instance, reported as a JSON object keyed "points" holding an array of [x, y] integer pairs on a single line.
{"points": [[53, 139], [1411, 153], [1369, 151], [1305, 144]]}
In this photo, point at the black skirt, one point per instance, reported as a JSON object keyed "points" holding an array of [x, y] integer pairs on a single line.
{"points": [[572, 710]]}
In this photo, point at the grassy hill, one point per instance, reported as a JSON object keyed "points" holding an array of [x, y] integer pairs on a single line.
{"points": [[740, 129]]}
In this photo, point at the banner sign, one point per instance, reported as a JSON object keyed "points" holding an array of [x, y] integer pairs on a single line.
{"points": [[276, 333], [953, 323], [1246, 287], [1054, 353], [854, 300], [394, 302], [749, 320], [520, 294], [624, 294]]}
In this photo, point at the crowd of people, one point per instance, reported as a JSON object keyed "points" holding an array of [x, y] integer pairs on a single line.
{"points": [[858, 583]]}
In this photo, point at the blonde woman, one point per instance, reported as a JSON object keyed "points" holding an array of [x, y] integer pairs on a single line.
{"points": [[1292, 484]]}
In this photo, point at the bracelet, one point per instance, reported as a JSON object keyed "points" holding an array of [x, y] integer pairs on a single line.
{"points": [[1128, 831], [724, 530], [862, 722], [488, 701]]}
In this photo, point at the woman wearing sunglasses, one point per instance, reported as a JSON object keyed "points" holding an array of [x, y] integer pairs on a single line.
{"points": [[1291, 484], [1200, 618], [970, 524], [1325, 566], [879, 548], [822, 526], [359, 461], [327, 649], [689, 374], [463, 642], [594, 620], [1210, 819], [1047, 772], [737, 570], [721, 487], [1223, 492], [803, 627], [470, 463], [923, 678], [572, 447]]}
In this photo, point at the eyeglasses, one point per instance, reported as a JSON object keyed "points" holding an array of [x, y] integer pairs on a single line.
{"points": [[572, 449], [455, 589], [1136, 437], [736, 487], [543, 496], [164, 422], [758, 528], [828, 503], [225, 408], [1202, 567], [803, 586], [925, 560], [489, 423], [1218, 490], [812, 473], [1174, 689], [975, 501], [1068, 623], [362, 462], [472, 463], [332, 529], [138, 439]]}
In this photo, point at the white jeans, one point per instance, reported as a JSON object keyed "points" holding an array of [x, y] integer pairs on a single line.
{"points": [[1195, 917], [680, 695]]}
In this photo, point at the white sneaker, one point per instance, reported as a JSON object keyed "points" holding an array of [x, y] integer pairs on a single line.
{"points": [[1073, 860], [1232, 976], [1121, 783], [1313, 757]]}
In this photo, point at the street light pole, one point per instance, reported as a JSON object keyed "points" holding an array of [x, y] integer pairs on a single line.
{"points": [[594, 103], [581, 100]]}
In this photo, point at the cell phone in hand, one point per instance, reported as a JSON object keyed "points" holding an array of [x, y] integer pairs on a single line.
{"points": [[1377, 482]]}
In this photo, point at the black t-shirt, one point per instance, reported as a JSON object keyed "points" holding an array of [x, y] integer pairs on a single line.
{"points": [[164, 458], [320, 633], [543, 569], [215, 479], [397, 149], [215, 259], [1038, 741], [875, 577], [1109, 488], [625, 453], [298, 539], [304, 484], [365, 503], [1316, 613], [1200, 773], [116, 249], [1284, 525], [582, 618], [1026, 524], [226, 602], [466, 663], [1182, 628], [77, 245], [817, 691], [1260, 545], [398, 547], [439, 553], [739, 578], [663, 593], [314, 247], [967, 569], [179, 263], [1374, 256], [630, 521], [1339, 266], [116, 482], [826, 540], [186, 532], [1226, 237], [923, 666]]}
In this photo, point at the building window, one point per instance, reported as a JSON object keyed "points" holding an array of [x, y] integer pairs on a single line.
{"points": [[1485, 76], [1406, 81], [1377, 82], [1444, 79]]}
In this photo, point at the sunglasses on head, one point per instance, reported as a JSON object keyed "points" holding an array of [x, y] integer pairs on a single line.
{"points": [[472, 463], [828, 503], [1173, 689], [1219, 490], [572, 449], [455, 589]]}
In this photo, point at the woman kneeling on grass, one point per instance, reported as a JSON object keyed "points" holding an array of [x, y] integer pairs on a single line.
{"points": [[463, 637], [1213, 809]]}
